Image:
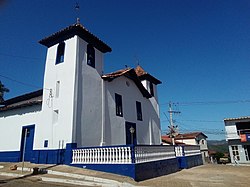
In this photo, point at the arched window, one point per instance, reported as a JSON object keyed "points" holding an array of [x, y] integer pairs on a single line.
{"points": [[91, 56], [60, 53], [202, 142]]}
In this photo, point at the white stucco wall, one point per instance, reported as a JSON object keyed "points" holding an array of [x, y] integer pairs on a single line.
{"points": [[189, 141], [11, 123], [231, 130], [58, 133], [148, 130], [88, 98]]}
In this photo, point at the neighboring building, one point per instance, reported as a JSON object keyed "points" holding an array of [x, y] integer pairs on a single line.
{"points": [[238, 138], [79, 105], [166, 140], [193, 138]]}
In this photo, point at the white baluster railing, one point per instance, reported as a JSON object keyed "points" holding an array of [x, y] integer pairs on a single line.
{"points": [[153, 153], [179, 151], [124, 154], [192, 150], [102, 155]]}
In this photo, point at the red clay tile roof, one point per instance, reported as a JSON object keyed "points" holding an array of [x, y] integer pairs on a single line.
{"points": [[190, 135], [116, 74], [131, 74], [168, 140], [71, 31], [143, 75]]}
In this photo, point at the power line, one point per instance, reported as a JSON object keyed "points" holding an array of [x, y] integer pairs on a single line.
{"points": [[23, 57], [22, 83], [207, 121], [209, 102]]}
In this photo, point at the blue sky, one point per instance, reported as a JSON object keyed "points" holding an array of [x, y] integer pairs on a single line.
{"points": [[199, 49]]}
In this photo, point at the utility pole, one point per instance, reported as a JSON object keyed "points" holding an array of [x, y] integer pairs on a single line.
{"points": [[172, 127]]}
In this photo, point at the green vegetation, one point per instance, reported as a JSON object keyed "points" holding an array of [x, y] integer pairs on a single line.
{"points": [[220, 146]]}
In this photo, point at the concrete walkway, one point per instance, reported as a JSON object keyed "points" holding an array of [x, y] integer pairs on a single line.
{"points": [[65, 174], [210, 175]]}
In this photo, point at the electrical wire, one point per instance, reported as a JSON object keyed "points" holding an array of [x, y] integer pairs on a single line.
{"points": [[23, 57], [22, 83], [209, 102]]}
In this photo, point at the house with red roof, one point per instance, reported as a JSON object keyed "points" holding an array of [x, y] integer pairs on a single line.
{"points": [[192, 138]]}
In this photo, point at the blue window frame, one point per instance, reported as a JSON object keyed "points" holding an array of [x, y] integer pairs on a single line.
{"points": [[91, 55], [60, 53], [139, 110], [118, 105]]}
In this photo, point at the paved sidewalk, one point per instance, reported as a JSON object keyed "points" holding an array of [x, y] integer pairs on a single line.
{"points": [[66, 175], [210, 175]]}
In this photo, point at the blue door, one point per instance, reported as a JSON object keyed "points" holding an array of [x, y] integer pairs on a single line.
{"points": [[130, 133], [26, 150]]}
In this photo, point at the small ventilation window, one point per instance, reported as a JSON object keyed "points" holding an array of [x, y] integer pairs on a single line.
{"points": [[55, 116], [57, 88]]}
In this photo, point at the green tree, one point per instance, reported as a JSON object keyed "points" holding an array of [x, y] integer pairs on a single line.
{"points": [[218, 155], [3, 89]]}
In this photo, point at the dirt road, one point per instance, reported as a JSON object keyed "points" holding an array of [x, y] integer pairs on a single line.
{"points": [[203, 176]]}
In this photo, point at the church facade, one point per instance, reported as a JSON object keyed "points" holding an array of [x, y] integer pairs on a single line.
{"points": [[79, 105]]}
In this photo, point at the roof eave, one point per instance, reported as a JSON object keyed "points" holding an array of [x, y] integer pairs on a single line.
{"points": [[150, 78], [23, 97], [70, 32], [131, 74]]}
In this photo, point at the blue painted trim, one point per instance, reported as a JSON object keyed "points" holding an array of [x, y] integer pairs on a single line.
{"points": [[149, 170], [55, 156], [182, 162], [120, 169], [186, 162], [139, 171], [183, 150], [28, 156], [133, 154], [68, 152], [10, 156]]}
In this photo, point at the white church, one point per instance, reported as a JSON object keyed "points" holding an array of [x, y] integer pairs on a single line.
{"points": [[86, 118], [79, 103]]}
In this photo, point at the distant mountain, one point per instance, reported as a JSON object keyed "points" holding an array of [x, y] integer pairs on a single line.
{"points": [[216, 142], [218, 146]]}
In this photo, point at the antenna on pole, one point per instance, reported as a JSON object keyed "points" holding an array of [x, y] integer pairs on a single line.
{"points": [[172, 128], [77, 9]]}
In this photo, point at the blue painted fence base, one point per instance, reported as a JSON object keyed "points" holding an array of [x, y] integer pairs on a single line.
{"points": [[138, 172], [120, 169], [154, 169], [186, 162], [10, 156]]}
